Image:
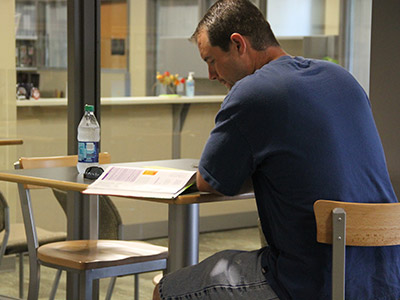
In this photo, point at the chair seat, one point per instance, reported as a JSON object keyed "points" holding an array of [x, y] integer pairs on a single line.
{"points": [[17, 238], [93, 254]]}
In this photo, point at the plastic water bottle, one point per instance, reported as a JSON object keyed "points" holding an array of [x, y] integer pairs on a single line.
{"points": [[88, 140], [190, 85]]}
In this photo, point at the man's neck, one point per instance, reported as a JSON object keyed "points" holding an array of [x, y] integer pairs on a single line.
{"points": [[264, 57]]}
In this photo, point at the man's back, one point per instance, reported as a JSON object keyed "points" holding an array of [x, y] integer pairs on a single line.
{"points": [[305, 132]]}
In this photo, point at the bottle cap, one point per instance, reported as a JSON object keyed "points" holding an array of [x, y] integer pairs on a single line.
{"points": [[89, 107]]}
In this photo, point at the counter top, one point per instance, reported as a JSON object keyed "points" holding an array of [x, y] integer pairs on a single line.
{"points": [[127, 101]]}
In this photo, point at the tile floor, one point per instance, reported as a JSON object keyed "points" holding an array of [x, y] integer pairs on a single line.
{"points": [[243, 239]]}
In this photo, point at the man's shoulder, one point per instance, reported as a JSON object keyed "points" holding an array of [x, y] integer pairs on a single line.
{"points": [[260, 83], [254, 91]]}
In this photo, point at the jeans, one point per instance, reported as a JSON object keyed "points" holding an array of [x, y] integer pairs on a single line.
{"points": [[228, 274]]}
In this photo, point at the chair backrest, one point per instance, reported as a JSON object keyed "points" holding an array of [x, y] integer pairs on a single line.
{"points": [[110, 222], [4, 225], [3, 212], [56, 161], [367, 224], [354, 224]]}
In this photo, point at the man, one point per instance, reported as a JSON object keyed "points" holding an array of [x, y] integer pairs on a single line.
{"points": [[302, 130]]}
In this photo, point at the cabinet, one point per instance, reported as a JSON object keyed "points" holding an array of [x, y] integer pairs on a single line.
{"points": [[26, 46], [26, 35], [41, 42]]}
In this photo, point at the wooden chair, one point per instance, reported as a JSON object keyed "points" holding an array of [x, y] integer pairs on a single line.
{"points": [[91, 259], [110, 228], [354, 224], [13, 242]]}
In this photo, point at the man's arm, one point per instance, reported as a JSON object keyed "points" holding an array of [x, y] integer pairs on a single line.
{"points": [[203, 185]]}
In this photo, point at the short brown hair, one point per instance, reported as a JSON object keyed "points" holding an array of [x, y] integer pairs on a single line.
{"points": [[236, 16]]}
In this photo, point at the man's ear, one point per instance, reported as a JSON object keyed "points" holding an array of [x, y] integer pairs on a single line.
{"points": [[239, 43]]}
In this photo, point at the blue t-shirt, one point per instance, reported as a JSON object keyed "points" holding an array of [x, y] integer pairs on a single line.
{"points": [[303, 130]]}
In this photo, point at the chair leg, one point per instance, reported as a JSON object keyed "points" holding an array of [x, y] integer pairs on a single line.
{"points": [[55, 285], [136, 278], [110, 289], [85, 287], [21, 274], [31, 236], [34, 280]]}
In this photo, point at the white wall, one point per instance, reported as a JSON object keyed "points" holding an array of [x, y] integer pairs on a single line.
{"points": [[7, 96]]}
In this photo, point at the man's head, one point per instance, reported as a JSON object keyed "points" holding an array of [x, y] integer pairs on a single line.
{"points": [[236, 16], [233, 39]]}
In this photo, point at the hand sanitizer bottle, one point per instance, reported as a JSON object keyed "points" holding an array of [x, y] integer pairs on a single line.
{"points": [[190, 85]]}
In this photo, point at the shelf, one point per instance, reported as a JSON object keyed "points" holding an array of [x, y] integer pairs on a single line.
{"points": [[27, 69], [26, 37]]}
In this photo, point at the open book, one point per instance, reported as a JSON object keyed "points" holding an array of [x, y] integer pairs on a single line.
{"points": [[141, 182]]}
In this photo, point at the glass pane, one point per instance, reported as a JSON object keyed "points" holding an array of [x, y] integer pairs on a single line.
{"points": [[151, 37], [53, 34], [311, 28], [308, 28], [296, 18], [41, 72], [114, 49], [175, 22], [137, 124]]}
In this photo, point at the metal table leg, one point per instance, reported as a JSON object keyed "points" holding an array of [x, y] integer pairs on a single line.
{"points": [[183, 235], [82, 216]]}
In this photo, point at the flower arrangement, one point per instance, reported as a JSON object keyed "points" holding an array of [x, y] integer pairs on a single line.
{"points": [[170, 81]]}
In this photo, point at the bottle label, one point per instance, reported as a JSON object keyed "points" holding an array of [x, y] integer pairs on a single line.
{"points": [[88, 152]]}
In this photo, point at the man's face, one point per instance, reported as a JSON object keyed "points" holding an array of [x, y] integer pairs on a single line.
{"points": [[226, 67]]}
